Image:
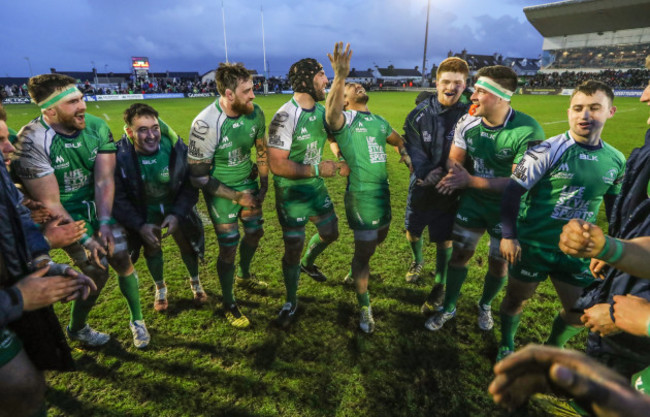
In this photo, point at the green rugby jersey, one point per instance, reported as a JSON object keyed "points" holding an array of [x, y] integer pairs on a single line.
{"points": [[493, 150], [13, 135], [41, 151], [565, 180], [362, 141], [226, 142], [302, 133], [154, 170]]}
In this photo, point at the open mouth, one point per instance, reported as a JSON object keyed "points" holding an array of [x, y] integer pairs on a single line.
{"points": [[450, 93], [584, 125]]}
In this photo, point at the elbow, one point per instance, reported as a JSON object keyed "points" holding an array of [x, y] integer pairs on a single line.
{"points": [[198, 182]]}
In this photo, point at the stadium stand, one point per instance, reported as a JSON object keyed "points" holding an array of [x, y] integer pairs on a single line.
{"points": [[592, 35]]}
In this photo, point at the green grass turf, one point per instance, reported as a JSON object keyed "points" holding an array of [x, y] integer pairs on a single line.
{"points": [[197, 365]]}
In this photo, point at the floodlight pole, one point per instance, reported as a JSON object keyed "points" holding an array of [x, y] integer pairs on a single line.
{"points": [[424, 57], [266, 71], [225, 43], [31, 74]]}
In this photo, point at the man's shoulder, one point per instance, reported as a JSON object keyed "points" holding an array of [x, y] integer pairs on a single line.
{"points": [[467, 122], [210, 112], [616, 154], [524, 121], [94, 122]]}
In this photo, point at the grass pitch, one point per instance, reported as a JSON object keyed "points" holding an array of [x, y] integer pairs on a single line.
{"points": [[197, 365]]}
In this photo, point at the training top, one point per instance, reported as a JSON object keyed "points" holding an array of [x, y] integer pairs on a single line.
{"points": [[154, 171], [302, 133], [494, 150], [565, 180], [362, 141], [226, 142], [41, 151]]}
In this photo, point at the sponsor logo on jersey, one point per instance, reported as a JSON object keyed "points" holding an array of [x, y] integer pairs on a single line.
{"points": [[541, 148], [360, 128], [275, 140], [237, 124], [74, 180], [232, 215], [520, 171], [586, 157], [74, 145], [368, 119], [60, 163], [481, 169], [426, 136], [488, 135], [59, 159], [563, 172], [529, 274], [149, 162], [376, 152], [505, 153], [201, 127], [572, 205], [462, 218], [225, 143], [93, 155], [610, 177], [312, 118], [195, 152]]}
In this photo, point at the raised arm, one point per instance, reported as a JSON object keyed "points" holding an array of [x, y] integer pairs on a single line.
{"points": [[340, 61]]}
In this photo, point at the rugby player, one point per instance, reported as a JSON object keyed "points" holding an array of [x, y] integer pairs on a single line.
{"points": [[66, 160], [221, 139], [153, 192], [495, 137], [565, 177], [296, 138], [361, 137], [428, 132]]}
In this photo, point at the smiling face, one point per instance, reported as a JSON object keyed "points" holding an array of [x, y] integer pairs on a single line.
{"points": [[450, 86], [486, 102], [145, 132], [70, 113], [355, 93], [588, 114], [5, 145]]}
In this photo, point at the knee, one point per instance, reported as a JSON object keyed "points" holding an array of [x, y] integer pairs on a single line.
{"points": [[460, 255], [497, 267], [253, 236], [292, 249], [227, 253], [329, 234], [411, 238], [512, 304], [121, 262]]}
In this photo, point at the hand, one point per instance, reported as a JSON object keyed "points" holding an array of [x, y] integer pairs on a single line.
{"points": [[61, 234], [171, 223], [264, 188], [340, 60], [106, 236], [246, 199], [327, 168], [39, 291], [457, 178], [96, 250], [432, 178], [39, 213], [598, 268], [597, 319], [87, 285], [581, 239], [632, 314], [344, 169], [546, 369], [406, 160], [510, 250], [150, 234]]}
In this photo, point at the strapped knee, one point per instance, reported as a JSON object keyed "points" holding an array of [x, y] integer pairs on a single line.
{"points": [[253, 228], [328, 228]]}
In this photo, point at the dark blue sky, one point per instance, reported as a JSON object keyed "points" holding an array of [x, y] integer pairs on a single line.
{"points": [[188, 35]]}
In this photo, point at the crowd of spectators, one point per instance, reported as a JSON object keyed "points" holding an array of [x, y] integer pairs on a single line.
{"points": [[633, 78], [618, 56]]}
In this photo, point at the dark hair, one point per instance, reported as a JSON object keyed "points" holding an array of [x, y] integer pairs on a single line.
{"points": [[589, 88], [228, 76], [453, 64], [138, 110], [42, 86], [504, 76]]}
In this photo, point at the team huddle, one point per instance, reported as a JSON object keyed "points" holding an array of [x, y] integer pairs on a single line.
{"points": [[477, 165]]}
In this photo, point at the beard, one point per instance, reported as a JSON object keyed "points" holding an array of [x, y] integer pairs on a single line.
{"points": [[241, 107], [362, 99], [70, 122]]}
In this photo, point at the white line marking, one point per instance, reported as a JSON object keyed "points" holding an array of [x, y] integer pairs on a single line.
{"points": [[565, 121], [106, 117]]}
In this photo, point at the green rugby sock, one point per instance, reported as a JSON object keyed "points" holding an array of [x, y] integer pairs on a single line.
{"points": [[129, 288], [246, 253], [509, 326], [364, 299], [416, 249], [491, 287], [561, 332], [455, 279], [226, 273], [291, 274], [79, 312], [191, 261], [442, 265], [316, 247], [155, 266]]}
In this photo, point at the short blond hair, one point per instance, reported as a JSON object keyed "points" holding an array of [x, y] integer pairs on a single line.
{"points": [[453, 64]]}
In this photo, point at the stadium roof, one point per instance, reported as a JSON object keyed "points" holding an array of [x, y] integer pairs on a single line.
{"points": [[572, 17]]}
